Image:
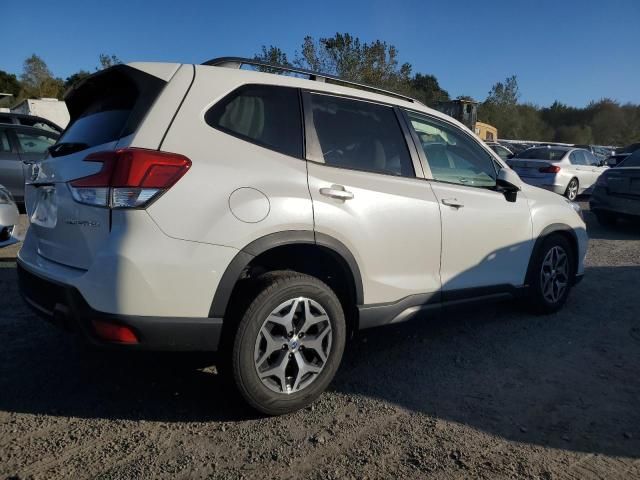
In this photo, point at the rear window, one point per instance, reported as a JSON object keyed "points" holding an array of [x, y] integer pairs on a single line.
{"points": [[631, 161], [543, 154], [108, 106]]}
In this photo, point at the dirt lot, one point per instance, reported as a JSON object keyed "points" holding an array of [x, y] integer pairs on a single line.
{"points": [[489, 393]]}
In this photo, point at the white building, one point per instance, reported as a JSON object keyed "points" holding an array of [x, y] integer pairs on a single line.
{"points": [[50, 108]]}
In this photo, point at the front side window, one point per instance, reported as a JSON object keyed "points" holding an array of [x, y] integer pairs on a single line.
{"points": [[453, 156], [359, 135], [263, 114], [34, 142]]}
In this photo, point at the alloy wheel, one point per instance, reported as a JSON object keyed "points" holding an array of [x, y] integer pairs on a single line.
{"points": [[572, 190], [554, 275], [293, 345]]}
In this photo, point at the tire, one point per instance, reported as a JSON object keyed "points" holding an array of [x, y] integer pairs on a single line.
{"points": [[572, 189], [542, 299], [606, 219], [315, 351]]}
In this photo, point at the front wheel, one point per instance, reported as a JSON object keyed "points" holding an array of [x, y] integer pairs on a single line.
{"points": [[551, 275], [289, 343], [572, 189]]}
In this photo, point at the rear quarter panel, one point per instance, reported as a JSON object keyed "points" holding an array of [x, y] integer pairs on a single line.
{"points": [[197, 208]]}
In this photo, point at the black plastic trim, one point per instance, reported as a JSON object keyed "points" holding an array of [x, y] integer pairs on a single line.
{"points": [[407, 308], [548, 230], [64, 306], [234, 270]]}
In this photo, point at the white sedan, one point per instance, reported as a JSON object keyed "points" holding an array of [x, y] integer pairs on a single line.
{"points": [[567, 171]]}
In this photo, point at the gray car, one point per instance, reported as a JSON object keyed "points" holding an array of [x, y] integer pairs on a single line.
{"points": [[564, 170], [20, 147], [617, 192]]}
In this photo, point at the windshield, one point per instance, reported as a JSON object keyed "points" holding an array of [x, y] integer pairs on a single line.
{"points": [[543, 153]]}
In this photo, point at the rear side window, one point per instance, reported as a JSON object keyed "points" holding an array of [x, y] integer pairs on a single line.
{"points": [[108, 106], [359, 135], [266, 115], [577, 157]]}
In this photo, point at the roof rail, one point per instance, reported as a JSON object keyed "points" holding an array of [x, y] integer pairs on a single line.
{"points": [[238, 62]]}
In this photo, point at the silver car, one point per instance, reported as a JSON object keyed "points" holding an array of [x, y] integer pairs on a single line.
{"points": [[567, 171]]}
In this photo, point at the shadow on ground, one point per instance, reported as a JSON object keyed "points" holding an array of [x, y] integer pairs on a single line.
{"points": [[569, 380]]}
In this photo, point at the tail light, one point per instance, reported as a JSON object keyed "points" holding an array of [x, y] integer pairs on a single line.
{"points": [[129, 178], [550, 169], [112, 332]]}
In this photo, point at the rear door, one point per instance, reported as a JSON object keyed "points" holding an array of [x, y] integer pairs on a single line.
{"points": [[106, 108], [368, 193], [486, 239], [11, 175]]}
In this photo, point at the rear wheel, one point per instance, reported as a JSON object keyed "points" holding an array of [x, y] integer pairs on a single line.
{"points": [[572, 189], [289, 343], [551, 275]]}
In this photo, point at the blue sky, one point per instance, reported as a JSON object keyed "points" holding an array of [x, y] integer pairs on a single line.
{"points": [[569, 50]]}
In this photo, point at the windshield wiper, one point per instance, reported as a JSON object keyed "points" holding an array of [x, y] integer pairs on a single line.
{"points": [[66, 148]]}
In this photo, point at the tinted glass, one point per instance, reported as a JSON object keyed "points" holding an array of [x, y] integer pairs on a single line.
{"points": [[631, 160], [360, 135], [452, 155], [578, 157], [108, 106], [5, 146], [34, 142], [266, 115], [543, 153]]}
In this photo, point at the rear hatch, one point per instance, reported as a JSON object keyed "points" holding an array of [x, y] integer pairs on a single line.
{"points": [[531, 168], [105, 110], [624, 181]]}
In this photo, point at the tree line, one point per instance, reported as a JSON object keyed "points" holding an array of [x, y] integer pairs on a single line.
{"points": [[37, 80], [377, 63]]}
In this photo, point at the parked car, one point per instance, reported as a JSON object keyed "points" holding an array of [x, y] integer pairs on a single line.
{"points": [[629, 148], [596, 151], [20, 147], [8, 216], [515, 147], [564, 170], [617, 192], [615, 160], [29, 121], [270, 216], [503, 152]]}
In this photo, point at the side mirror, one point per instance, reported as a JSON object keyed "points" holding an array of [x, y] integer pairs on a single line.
{"points": [[509, 183], [510, 156], [509, 180]]}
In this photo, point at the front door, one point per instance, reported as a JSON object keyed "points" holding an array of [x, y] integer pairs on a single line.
{"points": [[486, 239]]}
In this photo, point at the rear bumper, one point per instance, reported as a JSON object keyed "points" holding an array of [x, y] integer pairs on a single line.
{"points": [[64, 306], [548, 183], [601, 201]]}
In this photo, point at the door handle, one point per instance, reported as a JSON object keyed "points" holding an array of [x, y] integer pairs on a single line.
{"points": [[452, 202], [336, 191]]}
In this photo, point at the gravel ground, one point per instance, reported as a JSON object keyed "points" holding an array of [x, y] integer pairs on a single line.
{"points": [[490, 393]]}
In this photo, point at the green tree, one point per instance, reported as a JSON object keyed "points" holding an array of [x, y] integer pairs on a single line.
{"points": [[348, 57], [426, 89], [9, 83], [75, 78], [37, 79], [107, 61]]}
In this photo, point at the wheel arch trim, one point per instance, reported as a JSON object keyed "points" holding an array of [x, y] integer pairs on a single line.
{"points": [[268, 242], [549, 230]]}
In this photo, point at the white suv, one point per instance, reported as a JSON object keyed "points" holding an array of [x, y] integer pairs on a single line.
{"points": [[211, 207]]}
